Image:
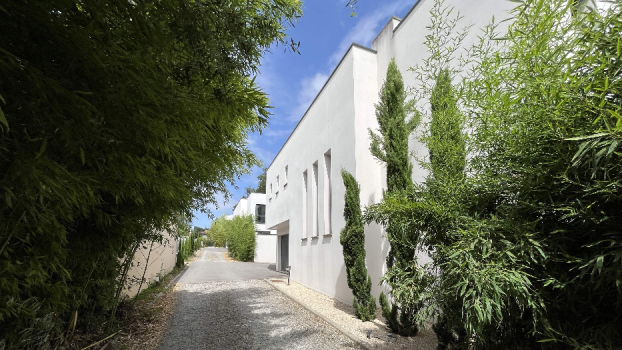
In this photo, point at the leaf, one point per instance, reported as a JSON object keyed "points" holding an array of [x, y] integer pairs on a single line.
{"points": [[547, 340], [43, 147], [579, 138], [2, 117]]}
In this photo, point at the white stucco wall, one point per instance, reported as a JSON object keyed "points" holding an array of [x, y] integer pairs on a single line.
{"points": [[329, 125], [338, 120], [265, 250]]}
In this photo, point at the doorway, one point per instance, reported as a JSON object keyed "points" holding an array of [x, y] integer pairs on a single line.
{"points": [[284, 251]]}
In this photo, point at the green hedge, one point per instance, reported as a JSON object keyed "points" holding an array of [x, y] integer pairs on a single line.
{"points": [[238, 234], [217, 232]]}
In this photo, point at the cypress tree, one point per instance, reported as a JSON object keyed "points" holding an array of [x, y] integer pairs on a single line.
{"points": [[391, 147], [446, 145], [353, 241]]}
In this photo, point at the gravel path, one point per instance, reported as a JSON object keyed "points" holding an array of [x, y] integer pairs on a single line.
{"points": [[212, 267], [212, 254], [245, 315], [343, 315]]}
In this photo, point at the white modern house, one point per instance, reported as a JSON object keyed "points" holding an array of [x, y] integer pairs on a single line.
{"points": [[255, 204], [304, 186]]}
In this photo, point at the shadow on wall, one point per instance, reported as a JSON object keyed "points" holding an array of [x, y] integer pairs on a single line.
{"points": [[342, 291], [239, 318], [376, 250]]}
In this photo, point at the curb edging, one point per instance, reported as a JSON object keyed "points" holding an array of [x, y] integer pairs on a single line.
{"points": [[326, 319]]}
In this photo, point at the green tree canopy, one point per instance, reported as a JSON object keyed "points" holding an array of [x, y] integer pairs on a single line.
{"points": [[116, 117]]}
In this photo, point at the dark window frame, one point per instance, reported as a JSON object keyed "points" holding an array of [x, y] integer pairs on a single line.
{"points": [[260, 218]]}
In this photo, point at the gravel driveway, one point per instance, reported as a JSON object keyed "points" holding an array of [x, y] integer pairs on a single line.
{"points": [[212, 267], [242, 314]]}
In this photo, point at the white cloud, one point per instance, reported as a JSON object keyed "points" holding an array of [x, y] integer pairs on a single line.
{"points": [[368, 27], [362, 33], [277, 132], [309, 88], [254, 144]]}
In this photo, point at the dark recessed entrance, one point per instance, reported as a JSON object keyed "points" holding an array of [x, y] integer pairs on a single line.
{"points": [[284, 252]]}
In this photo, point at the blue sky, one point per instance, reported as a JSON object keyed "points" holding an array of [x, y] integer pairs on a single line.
{"points": [[292, 81]]}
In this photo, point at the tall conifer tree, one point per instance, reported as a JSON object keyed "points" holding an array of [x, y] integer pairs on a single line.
{"points": [[446, 145], [352, 239], [391, 147]]}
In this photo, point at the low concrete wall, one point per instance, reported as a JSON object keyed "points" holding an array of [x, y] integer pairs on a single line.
{"points": [[265, 250], [153, 259]]}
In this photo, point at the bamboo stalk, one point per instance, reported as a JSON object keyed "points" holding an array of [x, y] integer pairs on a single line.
{"points": [[108, 337]]}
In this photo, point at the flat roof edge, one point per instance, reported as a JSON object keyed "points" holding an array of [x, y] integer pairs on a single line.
{"points": [[417, 2], [359, 46]]}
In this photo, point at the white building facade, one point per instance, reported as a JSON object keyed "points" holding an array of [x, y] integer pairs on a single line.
{"points": [[304, 185], [255, 204]]}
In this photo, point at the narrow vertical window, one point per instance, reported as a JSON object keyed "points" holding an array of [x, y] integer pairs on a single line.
{"points": [[315, 201], [260, 213], [285, 179], [304, 204], [328, 195]]}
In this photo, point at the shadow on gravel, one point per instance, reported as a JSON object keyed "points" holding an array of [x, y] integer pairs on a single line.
{"points": [[231, 315]]}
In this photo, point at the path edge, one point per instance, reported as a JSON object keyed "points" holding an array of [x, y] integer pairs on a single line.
{"points": [[326, 319]]}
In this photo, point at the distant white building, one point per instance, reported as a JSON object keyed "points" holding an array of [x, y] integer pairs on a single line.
{"points": [[304, 185], [255, 204]]}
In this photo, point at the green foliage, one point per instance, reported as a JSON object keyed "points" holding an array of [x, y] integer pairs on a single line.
{"points": [[391, 147], [115, 117], [446, 143], [240, 233], [217, 232], [526, 249], [352, 240]]}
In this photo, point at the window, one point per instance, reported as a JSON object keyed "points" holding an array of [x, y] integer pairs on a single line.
{"points": [[285, 179], [260, 213], [328, 195], [314, 200], [277, 184], [270, 190], [304, 205]]}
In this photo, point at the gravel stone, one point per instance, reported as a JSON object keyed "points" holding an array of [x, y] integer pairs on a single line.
{"points": [[343, 315], [245, 315]]}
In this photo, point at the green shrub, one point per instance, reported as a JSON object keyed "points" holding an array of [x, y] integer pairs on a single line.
{"points": [[352, 239], [217, 232], [527, 247], [240, 233]]}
